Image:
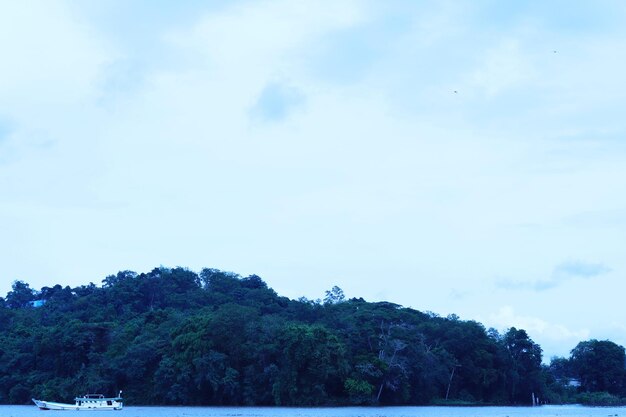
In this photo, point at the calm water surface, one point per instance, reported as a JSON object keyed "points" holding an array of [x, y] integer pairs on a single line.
{"points": [[545, 411]]}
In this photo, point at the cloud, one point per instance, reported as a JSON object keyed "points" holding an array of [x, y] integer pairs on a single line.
{"points": [[49, 57], [52, 66], [578, 269], [275, 32], [562, 273], [276, 102], [507, 317]]}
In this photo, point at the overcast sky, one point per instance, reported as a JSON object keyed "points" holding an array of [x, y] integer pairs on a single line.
{"points": [[463, 157]]}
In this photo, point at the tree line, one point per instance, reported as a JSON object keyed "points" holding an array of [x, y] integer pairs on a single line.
{"points": [[176, 337]]}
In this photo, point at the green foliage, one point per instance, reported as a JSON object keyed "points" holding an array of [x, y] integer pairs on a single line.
{"points": [[310, 364], [599, 364], [600, 399], [359, 391], [171, 336], [334, 295], [524, 370], [20, 297]]}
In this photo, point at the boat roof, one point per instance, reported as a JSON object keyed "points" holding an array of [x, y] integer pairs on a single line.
{"points": [[96, 397]]}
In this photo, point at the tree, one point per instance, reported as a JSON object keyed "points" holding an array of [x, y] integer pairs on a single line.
{"points": [[599, 364], [561, 368], [359, 391], [525, 374], [120, 277], [311, 365], [334, 295], [393, 365], [20, 296], [219, 281], [170, 336]]}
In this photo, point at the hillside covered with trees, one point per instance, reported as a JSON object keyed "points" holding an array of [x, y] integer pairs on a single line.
{"points": [[172, 336]]}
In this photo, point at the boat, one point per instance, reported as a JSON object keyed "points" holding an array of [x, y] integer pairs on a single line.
{"points": [[89, 402]]}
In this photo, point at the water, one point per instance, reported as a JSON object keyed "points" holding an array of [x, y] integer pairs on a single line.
{"points": [[545, 411]]}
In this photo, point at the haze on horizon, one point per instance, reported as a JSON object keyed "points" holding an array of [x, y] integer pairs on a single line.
{"points": [[463, 157]]}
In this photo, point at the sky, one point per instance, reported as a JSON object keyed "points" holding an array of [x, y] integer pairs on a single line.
{"points": [[458, 157]]}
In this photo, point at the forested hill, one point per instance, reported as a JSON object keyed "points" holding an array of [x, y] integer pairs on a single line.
{"points": [[172, 336]]}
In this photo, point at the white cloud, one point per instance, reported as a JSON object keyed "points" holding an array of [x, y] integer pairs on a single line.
{"points": [[262, 39], [50, 58], [553, 337], [561, 274], [49, 84]]}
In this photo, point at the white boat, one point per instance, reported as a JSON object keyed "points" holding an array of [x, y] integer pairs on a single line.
{"points": [[89, 402]]}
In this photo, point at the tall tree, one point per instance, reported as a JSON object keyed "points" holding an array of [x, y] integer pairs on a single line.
{"points": [[21, 295], [600, 365], [525, 373]]}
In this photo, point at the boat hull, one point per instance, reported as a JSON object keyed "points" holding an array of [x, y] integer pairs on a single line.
{"points": [[49, 405]]}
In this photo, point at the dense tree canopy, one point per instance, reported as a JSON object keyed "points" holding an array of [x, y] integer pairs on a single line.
{"points": [[599, 365], [171, 336]]}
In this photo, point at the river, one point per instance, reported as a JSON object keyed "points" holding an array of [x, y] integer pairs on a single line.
{"points": [[544, 411]]}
